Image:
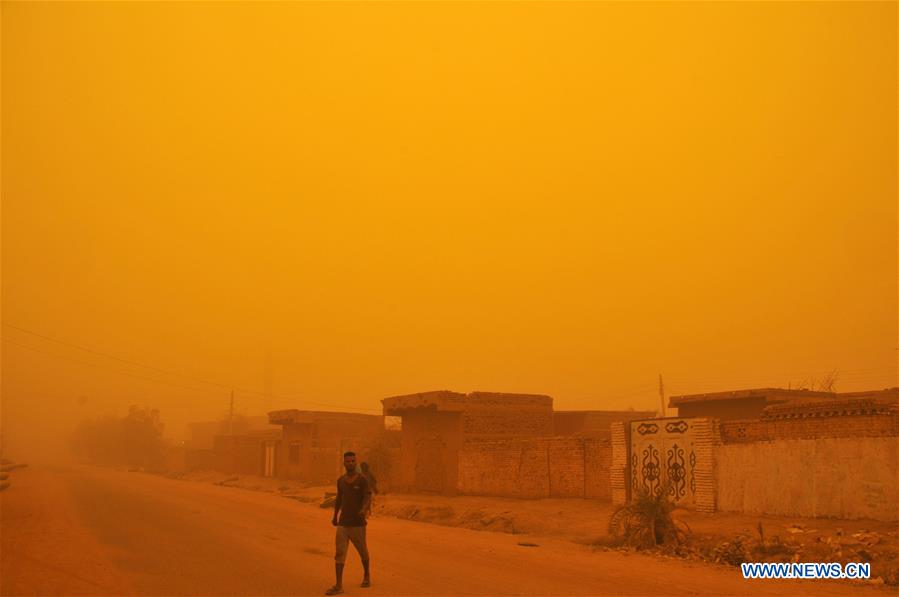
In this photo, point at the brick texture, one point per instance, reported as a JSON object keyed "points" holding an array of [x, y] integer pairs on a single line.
{"points": [[706, 442], [835, 419], [597, 464], [619, 478], [536, 467]]}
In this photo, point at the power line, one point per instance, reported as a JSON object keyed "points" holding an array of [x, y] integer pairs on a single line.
{"points": [[80, 362], [281, 399]]}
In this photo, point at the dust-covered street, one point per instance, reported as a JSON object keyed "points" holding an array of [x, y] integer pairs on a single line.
{"points": [[92, 531]]}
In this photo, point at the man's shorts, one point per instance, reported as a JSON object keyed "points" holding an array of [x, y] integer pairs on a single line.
{"points": [[345, 535]]}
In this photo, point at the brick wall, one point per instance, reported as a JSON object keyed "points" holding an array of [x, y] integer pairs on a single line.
{"points": [[619, 478], [566, 466], [706, 444], [535, 467], [597, 464], [485, 423]]}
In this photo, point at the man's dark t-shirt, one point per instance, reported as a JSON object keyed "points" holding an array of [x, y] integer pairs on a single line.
{"points": [[350, 497]]}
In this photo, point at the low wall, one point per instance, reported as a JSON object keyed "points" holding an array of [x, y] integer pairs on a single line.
{"points": [[536, 467], [832, 477]]}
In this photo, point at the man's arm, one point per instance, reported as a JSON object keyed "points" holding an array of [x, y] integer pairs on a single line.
{"points": [[338, 502]]}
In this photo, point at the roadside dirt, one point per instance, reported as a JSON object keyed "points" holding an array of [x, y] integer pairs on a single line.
{"points": [[44, 546], [722, 538]]}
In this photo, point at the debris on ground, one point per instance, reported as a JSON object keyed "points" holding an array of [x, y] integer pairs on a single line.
{"points": [[867, 538]]}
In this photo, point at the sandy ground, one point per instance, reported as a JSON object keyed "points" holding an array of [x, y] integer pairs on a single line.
{"points": [[585, 521], [89, 531]]}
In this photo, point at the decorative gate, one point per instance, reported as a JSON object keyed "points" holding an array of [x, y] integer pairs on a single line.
{"points": [[663, 457]]}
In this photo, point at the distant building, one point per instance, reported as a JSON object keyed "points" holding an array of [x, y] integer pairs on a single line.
{"points": [[312, 443], [593, 423], [206, 449], [201, 434], [435, 425], [245, 454]]}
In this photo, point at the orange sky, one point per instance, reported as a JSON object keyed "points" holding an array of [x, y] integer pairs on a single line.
{"points": [[553, 198]]}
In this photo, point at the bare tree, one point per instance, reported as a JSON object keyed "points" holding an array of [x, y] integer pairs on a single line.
{"points": [[828, 383]]}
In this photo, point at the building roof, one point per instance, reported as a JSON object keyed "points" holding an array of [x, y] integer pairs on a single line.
{"points": [[253, 435], [779, 395], [444, 400], [849, 404], [292, 415], [605, 413], [770, 395]]}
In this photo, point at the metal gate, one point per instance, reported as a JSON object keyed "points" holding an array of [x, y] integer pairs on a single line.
{"points": [[663, 457]]}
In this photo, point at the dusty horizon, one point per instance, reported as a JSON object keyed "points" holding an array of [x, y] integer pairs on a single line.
{"points": [[323, 205]]}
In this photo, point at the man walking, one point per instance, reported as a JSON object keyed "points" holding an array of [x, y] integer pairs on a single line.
{"points": [[350, 508]]}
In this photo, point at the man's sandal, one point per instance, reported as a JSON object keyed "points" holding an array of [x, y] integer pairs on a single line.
{"points": [[365, 584], [335, 590]]}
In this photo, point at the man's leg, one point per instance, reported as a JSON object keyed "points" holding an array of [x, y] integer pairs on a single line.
{"points": [[357, 536], [341, 545]]}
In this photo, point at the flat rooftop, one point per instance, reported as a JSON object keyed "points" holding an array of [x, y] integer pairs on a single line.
{"points": [[447, 401], [292, 415], [776, 395]]}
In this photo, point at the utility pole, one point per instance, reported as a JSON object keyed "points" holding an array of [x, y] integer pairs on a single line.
{"points": [[268, 378], [661, 395], [231, 416]]}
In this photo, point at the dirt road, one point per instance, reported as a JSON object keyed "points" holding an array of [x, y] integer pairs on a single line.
{"points": [[88, 531]]}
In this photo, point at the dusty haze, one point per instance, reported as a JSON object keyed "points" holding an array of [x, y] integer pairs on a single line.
{"points": [[564, 199]]}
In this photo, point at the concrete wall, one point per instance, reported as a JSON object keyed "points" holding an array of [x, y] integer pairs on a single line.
{"points": [[839, 477], [536, 467]]}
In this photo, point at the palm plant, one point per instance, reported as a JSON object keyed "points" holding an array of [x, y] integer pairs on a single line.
{"points": [[648, 520]]}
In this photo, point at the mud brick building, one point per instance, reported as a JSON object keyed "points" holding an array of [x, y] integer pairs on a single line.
{"points": [[815, 455], [500, 444], [244, 454], [312, 443], [439, 429]]}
